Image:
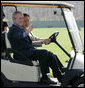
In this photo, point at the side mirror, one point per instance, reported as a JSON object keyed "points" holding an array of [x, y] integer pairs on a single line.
{"points": [[58, 12]]}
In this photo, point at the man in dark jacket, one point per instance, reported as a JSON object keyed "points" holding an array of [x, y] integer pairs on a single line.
{"points": [[4, 29], [21, 42]]}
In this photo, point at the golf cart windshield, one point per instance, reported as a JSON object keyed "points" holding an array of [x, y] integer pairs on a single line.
{"points": [[73, 30]]}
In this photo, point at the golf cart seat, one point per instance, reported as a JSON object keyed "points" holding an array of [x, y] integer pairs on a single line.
{"points": [[10, 50], [19, 70]]}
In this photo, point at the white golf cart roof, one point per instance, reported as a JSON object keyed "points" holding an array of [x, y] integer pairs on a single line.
{"points": [[38, 3]]}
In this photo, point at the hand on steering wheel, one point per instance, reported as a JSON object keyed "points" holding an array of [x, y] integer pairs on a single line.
{"points": [[53, 36]]}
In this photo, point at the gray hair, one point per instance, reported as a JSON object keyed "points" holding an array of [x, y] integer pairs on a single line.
{"points": [[14, 15]]}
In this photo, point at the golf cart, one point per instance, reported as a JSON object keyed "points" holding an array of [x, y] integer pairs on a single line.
{"points": [[27, 73]]}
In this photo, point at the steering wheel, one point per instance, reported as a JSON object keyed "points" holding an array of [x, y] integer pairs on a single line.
{"points": [[53, 36]]}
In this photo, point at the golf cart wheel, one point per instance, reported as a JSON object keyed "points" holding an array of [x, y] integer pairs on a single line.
{"points": [[79, 83], [2, 84]]}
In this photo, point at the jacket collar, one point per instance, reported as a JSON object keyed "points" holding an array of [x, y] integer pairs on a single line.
{"points": [[20, 27]]}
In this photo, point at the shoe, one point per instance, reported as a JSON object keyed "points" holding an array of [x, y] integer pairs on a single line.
{"points": [[47, 81]]}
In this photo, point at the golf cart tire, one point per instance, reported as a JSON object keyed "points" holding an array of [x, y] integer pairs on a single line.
{"points": [[78, 82], [70, 77], [4, 80], [2, 84]]}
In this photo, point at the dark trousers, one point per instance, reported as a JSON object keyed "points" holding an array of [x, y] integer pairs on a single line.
{"points": [[46, 60]]}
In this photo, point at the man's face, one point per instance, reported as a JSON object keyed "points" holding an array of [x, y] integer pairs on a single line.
{"points": [[19, 20], [26, 21]]}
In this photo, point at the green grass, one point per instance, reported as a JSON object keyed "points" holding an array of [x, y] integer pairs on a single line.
{"points": [[62, 38], [82, 34]]}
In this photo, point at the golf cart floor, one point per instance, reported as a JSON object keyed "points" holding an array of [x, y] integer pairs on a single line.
{"points": [[33, 84]]}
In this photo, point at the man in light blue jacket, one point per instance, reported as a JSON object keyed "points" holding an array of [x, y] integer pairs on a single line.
{"points": [[36, 41]]}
